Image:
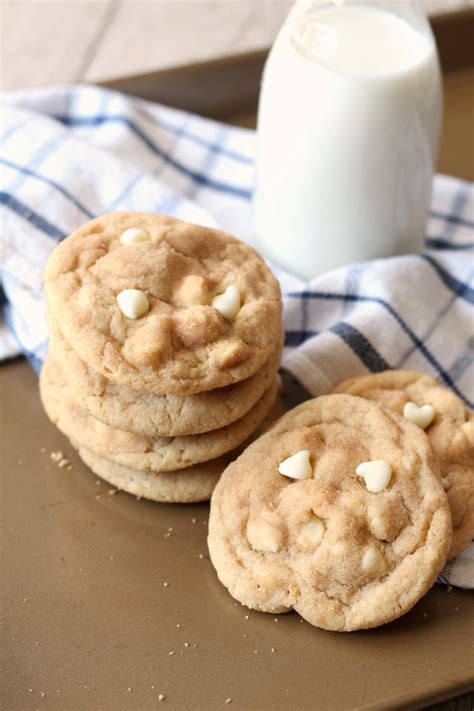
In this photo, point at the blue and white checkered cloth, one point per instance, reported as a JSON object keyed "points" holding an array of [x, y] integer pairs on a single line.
{"points": [[71, 153]]}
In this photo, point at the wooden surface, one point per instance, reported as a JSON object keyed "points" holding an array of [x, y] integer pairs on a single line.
{"points": [[53, 41]]}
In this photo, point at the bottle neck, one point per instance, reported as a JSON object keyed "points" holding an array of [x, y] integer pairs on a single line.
{"points": [[359, 38], [409, 10]]}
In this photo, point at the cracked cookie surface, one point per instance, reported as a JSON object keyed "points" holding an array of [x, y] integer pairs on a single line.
{"points": [[137, 451], [451, 434], [343, 557], [154, 415], [178, 343]]}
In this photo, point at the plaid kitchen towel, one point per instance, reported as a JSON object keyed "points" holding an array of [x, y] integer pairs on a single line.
{"points": [[71, 153]]}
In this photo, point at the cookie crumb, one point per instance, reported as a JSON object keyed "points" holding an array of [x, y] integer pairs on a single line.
{"points": [[161, 697], [247, 617], [42, 450], [276, 619], [165, 585], [167, 535], [42, 694], [170, 654], [138, 498], [255, 651], [186, 644], [201, 556], [60, 459], [111, 557], [129, 688], [245, 635], [178, 625], [272, 650], [228, 701], [112, 492], [152, 686], [30, 691], [194, 520]]}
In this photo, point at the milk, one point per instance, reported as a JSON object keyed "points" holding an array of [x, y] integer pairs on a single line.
{"points": [[348, 128]]}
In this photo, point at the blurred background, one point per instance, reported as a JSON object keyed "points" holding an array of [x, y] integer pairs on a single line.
{"points": [[140, 46], [51, 41]]}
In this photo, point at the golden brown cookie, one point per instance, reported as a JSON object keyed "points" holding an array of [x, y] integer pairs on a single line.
{"points": [[353, 542], [137, 451], [163, 306], [153, 415], [449, 426], [180, 487]]}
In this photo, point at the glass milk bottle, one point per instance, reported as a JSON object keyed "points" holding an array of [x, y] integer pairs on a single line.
{"points": [[348, 126]]}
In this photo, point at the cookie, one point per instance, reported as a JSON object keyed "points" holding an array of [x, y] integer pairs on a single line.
{"points": [[181, 487], [163, 306], [154, 415], [449, 426], [347, 546], [137, 451]]}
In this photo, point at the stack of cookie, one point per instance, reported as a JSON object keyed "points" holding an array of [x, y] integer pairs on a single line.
{"points": [[165, 345]]}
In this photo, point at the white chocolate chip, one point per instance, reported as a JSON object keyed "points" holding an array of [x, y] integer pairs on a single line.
{"points": [[311, 533], [372, 559], [376, 475], [264, 536], [228, 303], [132, 303], [421, 416], [134, 235], [298, 466]]}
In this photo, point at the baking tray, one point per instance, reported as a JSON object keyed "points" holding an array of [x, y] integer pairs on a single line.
{"points": [[110, 602]]}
